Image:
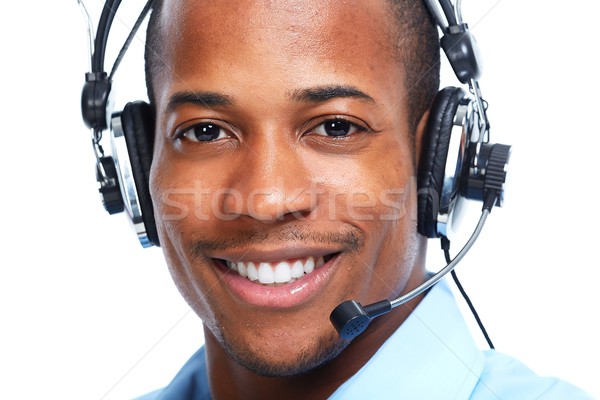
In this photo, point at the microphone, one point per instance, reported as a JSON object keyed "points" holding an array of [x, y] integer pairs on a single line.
{"points": [[350, 318]]}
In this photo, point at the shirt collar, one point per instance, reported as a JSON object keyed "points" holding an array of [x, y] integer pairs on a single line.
{"points": [[430, 356]]}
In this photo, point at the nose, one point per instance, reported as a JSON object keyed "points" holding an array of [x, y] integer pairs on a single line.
{"points": [[274, 182]]}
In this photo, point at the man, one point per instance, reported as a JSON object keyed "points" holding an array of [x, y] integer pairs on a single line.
{"points": [[288, 136]]}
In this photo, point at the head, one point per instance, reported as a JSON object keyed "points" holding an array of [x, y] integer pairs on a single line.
{"points": [[283, 179]]}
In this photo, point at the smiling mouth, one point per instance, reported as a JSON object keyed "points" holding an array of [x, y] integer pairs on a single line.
{"points": [[278, 272]]}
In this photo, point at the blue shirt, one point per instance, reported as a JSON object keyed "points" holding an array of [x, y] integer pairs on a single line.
{"points": [[431, 356]]}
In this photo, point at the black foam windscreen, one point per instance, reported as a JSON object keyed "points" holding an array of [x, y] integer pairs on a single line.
{"points": [[350, 319]]}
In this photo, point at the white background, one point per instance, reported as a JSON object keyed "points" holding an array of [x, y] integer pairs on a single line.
{"points": [[86, 313]]}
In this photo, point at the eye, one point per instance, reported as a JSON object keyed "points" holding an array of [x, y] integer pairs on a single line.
{"points": [[338, 127], [204, 132]]}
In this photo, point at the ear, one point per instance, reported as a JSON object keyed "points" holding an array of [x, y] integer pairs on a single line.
{"points": [[420, 136]]}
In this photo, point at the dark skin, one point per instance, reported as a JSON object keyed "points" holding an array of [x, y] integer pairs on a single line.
{"points": [[281, 130]]}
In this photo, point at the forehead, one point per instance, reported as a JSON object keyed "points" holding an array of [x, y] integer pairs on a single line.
{"points": [[293, 36], [301, 22], [253, 15]]}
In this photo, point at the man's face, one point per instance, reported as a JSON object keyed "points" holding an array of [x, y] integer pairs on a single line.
{"points": [[283, 175]]}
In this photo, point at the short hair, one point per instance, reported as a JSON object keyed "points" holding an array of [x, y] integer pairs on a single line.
{"points": [[417, 49]]}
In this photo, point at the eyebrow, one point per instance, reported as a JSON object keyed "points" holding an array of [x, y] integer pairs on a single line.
{"points": [[321, 94], [202, 99], [317, 94]]}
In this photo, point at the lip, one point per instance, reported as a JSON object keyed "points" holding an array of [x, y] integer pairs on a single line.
{"points": [[273, 255], [285, 296]]}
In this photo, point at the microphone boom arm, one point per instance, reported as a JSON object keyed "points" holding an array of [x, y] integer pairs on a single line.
{"points": [[351, 319]]}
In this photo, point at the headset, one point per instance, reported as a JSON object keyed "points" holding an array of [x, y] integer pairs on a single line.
{"points": [[123, 176], [458, 162]]}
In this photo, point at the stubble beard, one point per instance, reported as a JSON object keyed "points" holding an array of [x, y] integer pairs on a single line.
{"points": [[310, 356]]}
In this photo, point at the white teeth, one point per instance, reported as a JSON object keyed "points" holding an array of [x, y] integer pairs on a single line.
{"points": [[309, 266], [252, 271], [297, 269], [241, 268], [265, 273], [280, 273], [283, 272]]}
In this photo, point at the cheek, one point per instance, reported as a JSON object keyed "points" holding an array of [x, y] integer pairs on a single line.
{"points": [[186, 198], [173, 197], [376, 192], [376, 184]]}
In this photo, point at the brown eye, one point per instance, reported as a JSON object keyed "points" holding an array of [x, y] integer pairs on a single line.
{"points": [[337, 128], [204, 132]]}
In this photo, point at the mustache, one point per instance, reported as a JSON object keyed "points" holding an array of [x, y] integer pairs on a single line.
{"points": [[351, 240]]}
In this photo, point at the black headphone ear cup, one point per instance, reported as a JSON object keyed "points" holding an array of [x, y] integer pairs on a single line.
{"points": [[432, 164], [137, 119]]}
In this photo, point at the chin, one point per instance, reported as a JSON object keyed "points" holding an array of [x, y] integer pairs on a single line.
{"points": [[288, 359]]}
